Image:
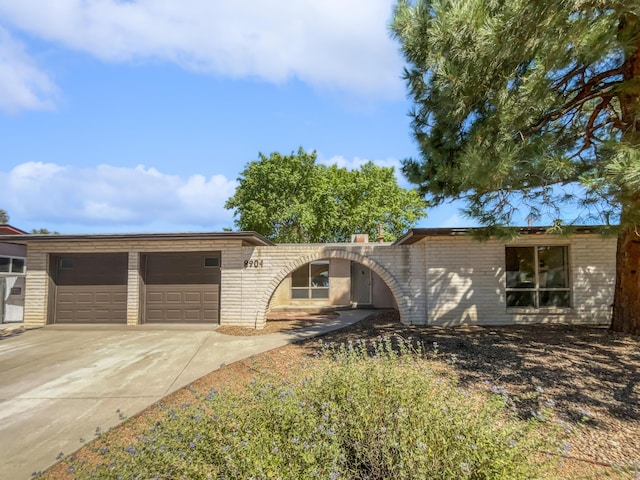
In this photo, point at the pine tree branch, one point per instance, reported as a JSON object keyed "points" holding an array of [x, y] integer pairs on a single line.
{"points": [[583, 95], [589, 129]]}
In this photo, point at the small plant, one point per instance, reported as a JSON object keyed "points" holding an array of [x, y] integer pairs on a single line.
{"points": [[362, 410]]}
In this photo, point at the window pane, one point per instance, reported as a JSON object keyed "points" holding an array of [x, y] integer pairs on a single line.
{"points": [[300, 277], [211, 262], [320, 275], [553, 267], [520, 299], [319, 293], [520, 267], [4, 264], [66, 263], [554, 298], [300, 293], [18, 265]]}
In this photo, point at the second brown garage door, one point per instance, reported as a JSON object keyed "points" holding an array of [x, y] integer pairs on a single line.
{"points": [[181, 287]]}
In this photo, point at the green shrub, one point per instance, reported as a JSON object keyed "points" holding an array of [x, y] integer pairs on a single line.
{"points": [[359, 411]]}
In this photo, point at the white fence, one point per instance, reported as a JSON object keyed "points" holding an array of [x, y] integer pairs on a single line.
{"points": [[11, 298]]}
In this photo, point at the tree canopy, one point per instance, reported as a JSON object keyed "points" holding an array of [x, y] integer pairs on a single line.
{"points": [[291, 198], [4, 216], [529, 110]]}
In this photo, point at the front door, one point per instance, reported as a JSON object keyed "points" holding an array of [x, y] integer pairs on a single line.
{"points": [[360, 285]]}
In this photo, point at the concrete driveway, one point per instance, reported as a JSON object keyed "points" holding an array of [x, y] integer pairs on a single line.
{"points": [[59, 384]]}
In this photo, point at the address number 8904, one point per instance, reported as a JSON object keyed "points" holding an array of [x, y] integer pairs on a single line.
{"points": [[253, 263]]}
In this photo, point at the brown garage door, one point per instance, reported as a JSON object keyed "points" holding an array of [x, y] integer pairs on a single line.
{"points": [[182, 287], [90, 288]]}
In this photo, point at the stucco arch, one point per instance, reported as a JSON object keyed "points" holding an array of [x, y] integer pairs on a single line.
{"points": [[324, 254]]}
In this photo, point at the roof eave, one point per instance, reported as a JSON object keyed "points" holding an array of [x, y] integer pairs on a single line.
{"points": [[416, 234], [250, 238]]}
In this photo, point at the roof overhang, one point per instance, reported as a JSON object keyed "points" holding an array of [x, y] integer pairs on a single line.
{"points": [[6, 229], [247, 238], [417, 234]]}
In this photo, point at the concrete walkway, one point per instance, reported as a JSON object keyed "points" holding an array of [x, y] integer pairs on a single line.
{"points": [[60, 383]]}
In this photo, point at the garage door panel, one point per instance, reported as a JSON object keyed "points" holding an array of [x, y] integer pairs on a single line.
{"points": [[192, 315], [173, 315], [84, 297], [211, 297], [182, 303], [173, 297], [107, 315], [64, 297], [91, 304], [121, 298], [64, 316], [193, 297], [154, 297], [154, 315], [103, 297]]}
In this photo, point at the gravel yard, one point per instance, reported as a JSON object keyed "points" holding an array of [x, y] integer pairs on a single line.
{"points": [[585, 376], [586, 379]]}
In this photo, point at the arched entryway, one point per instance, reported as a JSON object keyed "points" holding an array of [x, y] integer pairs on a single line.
{"points": [[316, 258]]}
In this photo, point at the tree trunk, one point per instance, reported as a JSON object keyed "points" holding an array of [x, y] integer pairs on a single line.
{"points": [[626, 304]]}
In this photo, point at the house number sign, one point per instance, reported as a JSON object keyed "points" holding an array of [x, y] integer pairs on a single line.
{"points": [[253, 263]]}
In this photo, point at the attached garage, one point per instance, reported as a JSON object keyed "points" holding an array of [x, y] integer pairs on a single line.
{"points": [[89, 288], [181, 287]]}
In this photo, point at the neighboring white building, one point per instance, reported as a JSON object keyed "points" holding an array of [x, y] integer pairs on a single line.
{"points": [[12, 277], [432, 276]]}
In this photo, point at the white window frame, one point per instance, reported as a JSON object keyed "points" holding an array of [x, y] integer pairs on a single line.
{"points": [[310, 289], [537, 289], [11, 263]]}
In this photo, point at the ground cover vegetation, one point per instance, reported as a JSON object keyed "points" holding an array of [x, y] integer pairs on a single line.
{"points": [[293, 199], [383, 400], [365, 410], [530, 111]]}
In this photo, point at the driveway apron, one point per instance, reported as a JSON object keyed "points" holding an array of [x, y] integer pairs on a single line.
{"points": [[61, 385]]}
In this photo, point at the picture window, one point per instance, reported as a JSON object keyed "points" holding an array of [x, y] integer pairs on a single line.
{"points": [[537, 277], [12, 265], [311, 281]]}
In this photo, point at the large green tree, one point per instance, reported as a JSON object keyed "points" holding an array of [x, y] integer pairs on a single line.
{"points": [[531, 110], [291, 198]]}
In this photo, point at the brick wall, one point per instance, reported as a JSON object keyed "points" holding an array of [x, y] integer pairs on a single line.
{"points": [[465, 281]]}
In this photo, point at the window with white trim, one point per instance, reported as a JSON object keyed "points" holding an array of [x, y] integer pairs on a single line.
{"points": [[12, 264], [311, 281], [537, 277]]}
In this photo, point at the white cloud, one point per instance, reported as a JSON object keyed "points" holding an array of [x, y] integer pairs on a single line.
{"points": [[111, 197], [23, 86], [332, 44]]}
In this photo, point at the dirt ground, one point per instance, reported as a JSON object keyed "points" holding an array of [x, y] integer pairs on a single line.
{"points": [[585, 378], [279, 322]]}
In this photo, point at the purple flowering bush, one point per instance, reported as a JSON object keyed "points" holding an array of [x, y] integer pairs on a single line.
{"points": [[361, 410]]}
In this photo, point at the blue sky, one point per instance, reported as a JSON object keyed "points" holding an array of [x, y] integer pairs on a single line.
{"points": [[139, 115]]}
